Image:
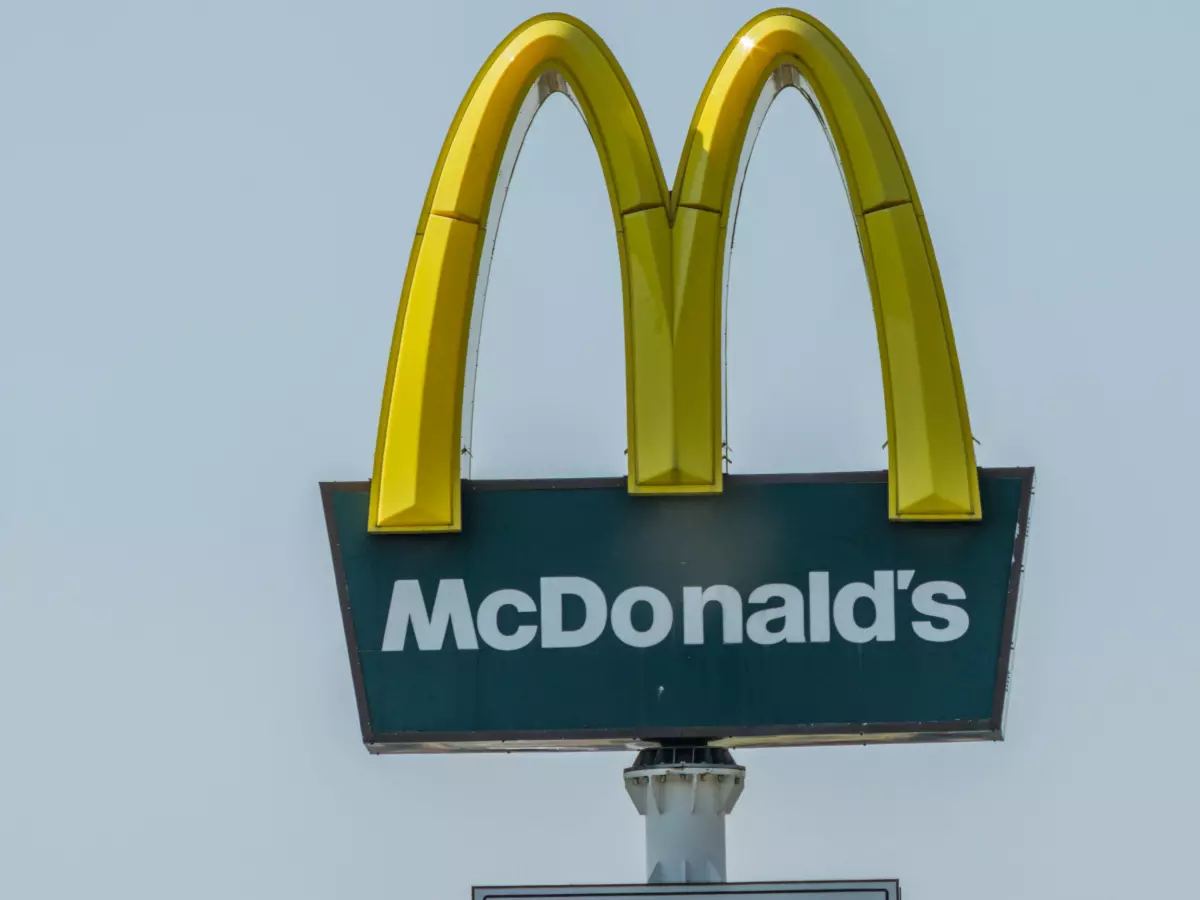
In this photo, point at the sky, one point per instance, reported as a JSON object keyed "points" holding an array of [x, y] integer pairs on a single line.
{"points": [[206, 210]]}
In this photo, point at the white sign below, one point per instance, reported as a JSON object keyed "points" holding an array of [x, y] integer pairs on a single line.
{"points": [[796, 890]]}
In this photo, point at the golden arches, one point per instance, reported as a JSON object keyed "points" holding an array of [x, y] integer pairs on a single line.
{"points": [[671, 248]]}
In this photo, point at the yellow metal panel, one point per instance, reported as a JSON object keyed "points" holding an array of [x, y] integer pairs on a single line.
{"points": [[467, 174], [672, 255], [870, 157], [650, 382], [931, 455], [698, 248], [674, 339], [932, 464], [416, 479]]}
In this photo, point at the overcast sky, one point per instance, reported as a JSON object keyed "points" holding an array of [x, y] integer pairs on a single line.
{"points": [[206, 210]]}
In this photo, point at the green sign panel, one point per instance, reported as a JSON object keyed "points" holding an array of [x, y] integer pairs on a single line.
{"points": [[784, 610]]}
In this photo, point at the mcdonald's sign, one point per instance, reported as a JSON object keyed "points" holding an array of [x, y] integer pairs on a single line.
{"points": [[678, 601]]}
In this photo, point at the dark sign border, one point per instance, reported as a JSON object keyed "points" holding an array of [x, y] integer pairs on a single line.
{"points": [[767, 889], [990, 729]]}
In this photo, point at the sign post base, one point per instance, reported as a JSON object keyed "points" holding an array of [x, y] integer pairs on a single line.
{"points": [[685, 792]]}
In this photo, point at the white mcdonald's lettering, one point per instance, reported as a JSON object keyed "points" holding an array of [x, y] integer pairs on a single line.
{"points": [[862, 613]]}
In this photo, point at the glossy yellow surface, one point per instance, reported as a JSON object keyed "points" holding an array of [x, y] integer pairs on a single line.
{"points": [[672, 257]]}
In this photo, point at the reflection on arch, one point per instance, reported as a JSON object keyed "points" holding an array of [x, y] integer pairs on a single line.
{"points": [[673, 248], [548, 84], [795, 241]]}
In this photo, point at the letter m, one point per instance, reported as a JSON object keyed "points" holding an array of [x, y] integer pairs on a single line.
{"points": [[450, 609]]}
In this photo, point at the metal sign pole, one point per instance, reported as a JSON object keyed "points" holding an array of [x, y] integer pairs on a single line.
{"points": [[685, 792]]}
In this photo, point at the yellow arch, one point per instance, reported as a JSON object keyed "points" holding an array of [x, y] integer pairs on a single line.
{"points": [[672, 247]]}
